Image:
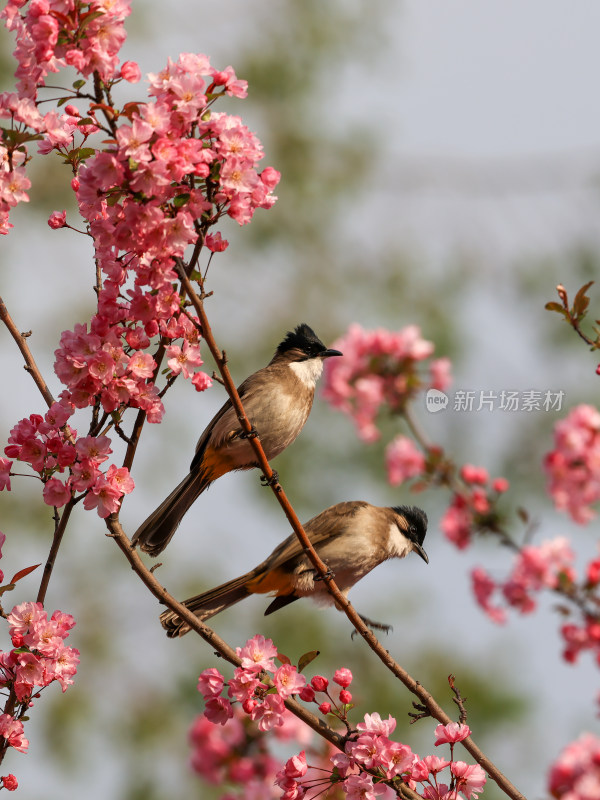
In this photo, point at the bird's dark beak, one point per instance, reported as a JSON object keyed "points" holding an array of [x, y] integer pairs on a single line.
{"points": [[419, 550], [329, 353]]}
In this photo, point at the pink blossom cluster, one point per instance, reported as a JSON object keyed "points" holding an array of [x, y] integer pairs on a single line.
{"points": [[51, 34], [51, 131], [45, 657], [575, 775], [51, 448], [403, 460], [380, 369], [263, 706], [38, 658], [240, 756], [172, 162], [472, 507], [535, 568], [573, 467], [371, 757]]}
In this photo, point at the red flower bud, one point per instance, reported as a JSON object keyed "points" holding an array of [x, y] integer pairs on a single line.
{"points": [[319, 683]]}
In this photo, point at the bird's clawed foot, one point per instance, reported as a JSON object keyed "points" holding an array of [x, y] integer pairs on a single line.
{"points": [[329, 574], [272, 481], [375, 626], [251, 434]]}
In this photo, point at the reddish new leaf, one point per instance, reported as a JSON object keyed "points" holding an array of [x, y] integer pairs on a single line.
{"points": [[23, 572]]}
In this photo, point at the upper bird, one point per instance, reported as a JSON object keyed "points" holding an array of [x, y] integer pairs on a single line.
{"points": [[277, 400], [351, 538]]}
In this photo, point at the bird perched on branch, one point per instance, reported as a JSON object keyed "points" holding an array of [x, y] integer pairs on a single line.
{"points": [[277, 400], [351, 538]]}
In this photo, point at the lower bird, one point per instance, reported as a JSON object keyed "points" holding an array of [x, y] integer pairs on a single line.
{"points": [[351, 538]]}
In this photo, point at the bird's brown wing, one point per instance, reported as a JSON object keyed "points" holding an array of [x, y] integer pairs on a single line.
{"points": [[231, 427], [325, 526]]}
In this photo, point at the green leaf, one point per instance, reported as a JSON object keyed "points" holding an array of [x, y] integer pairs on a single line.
{"points": [[78, 84], [307, 658], [181, 200]]}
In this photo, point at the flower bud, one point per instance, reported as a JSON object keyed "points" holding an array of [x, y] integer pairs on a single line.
{"points": [[319, 683]]}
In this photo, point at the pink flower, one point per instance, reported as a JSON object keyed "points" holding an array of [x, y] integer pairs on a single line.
{"points": [[342, 763], [575, 775], [12, 730], [343, 677], [218, 710], [56, 493], [472, 474], [325, 708], [439, 370], [269, 713], [374, 724], [451, 733], [201, 381], [182, 360], [319, 683], [104, 497], [242, 686], [288, 680], [215, 242], [131, 72], [94, 448], [23, 616], [366, 749], [395, 758], [483, 589], [403, 460], [470, 778], [295, 767], [307, 694], [573, 467], [211, 682], [57, 219], [9, 782], [5, 466], [361, 787], [457, 522], [258, 654]]}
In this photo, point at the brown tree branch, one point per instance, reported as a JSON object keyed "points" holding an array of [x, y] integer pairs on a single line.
{"points": [[30, 365]]}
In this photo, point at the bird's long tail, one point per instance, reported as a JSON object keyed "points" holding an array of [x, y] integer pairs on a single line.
{"points": [[155, 533], [208, 604]]}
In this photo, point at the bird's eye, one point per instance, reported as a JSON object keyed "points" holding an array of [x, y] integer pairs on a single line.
{"points": [[413, 529]]}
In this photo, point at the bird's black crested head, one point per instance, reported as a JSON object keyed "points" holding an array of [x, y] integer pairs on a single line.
{"points": [[302, 338], [416, 522], [302, 344]]}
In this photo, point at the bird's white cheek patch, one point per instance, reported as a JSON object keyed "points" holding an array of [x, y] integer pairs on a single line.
{"points": [[398, 544], [308, 371]]}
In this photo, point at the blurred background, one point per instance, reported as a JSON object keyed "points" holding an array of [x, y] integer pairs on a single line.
{"points": [[440, 167]]}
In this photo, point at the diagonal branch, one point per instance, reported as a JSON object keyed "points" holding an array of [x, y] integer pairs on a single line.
{"points": [[30, 365]]}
